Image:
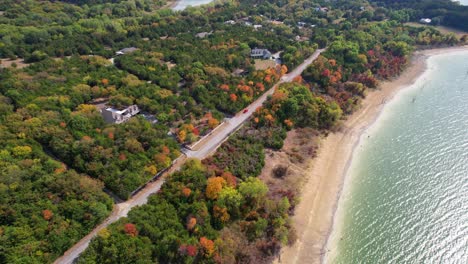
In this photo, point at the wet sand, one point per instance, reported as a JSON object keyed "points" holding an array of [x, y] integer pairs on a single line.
{"points": [[314, 215]]}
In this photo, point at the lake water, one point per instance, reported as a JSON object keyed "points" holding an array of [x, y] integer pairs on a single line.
{"points": [[406, 194], [181, 5]]}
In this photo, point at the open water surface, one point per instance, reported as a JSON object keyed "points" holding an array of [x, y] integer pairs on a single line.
{"points": [[406, 194]]}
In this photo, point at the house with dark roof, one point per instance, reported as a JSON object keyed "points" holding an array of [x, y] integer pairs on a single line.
{"points": [[115, 116], [260, 54]]}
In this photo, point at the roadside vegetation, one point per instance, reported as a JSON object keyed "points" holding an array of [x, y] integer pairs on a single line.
{"points": [[58, 155]]}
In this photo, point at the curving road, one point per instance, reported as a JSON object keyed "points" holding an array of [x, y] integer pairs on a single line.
{"points": [[206, 146]]}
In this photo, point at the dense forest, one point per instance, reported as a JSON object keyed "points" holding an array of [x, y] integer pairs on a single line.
{"points": [[44, 206], [190, 70], [358, 57]]}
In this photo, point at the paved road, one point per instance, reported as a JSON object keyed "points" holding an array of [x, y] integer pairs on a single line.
{"points": [[207, 147], [119, 210], [210, 143]]}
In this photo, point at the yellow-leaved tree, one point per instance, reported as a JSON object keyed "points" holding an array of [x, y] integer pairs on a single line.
{"points": [[214, 187]]}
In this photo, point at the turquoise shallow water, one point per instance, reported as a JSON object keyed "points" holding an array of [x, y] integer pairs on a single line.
{"points": [[406, 194]]}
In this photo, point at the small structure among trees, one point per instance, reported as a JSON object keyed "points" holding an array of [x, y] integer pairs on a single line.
{"points": [[260, 54], [126, 51], [425, 20], [112, 115]]}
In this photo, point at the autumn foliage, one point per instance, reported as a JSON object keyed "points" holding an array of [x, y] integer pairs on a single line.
{"points": [[214, 187], [181, 136], [122, 156], [221, 213], [186, 191], [224, 87], [130, 229], [189, 250], [229, 178], [191, 222], [233, 97], [207, 246], [165, 150], [47, 214], [213, 122]]}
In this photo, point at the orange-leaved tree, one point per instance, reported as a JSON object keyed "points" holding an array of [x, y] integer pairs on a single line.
{"points": [[130, 229], [47, 214], [186, 191], [191, 222], [207, 245], [221, 213], [213, 122], [214, 187]]}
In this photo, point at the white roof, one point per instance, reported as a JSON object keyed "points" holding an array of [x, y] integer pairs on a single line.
{"points": [[113, 110], [120, 112], [127, 50]]}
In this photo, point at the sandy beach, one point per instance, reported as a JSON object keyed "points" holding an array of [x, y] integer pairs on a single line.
{"points": [[326, 173]]}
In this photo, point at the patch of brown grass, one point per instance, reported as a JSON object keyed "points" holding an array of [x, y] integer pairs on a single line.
{"points": [[264, 64], [300, 146], [7, 63]]}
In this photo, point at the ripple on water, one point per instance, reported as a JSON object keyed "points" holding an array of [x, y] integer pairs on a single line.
{"points": [[407, 197]]}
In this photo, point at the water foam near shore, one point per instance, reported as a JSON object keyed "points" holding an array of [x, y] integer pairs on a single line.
{"points": [[405, 194]]}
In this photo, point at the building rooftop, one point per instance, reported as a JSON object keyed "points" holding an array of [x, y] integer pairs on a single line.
{"points": [[116, 111], [203, 34], [112, 115], [126, 51], [425, 20]]}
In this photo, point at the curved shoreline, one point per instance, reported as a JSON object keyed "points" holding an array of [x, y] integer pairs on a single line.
{"points": [[315, 215]]}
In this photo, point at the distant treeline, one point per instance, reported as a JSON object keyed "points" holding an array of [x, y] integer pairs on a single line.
{"points": [[89, 2], [444, 12]]}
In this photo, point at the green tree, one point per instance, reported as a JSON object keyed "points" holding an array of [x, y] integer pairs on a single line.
{"points": [[253, 190]]}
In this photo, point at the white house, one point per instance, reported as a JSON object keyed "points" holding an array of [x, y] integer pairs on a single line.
{"points": [[126, 51], [203, 34], [112, 115], [301, 24], [425, 21]]}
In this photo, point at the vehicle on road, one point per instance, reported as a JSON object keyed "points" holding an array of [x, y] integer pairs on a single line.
{"points": [[245, 111]]}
